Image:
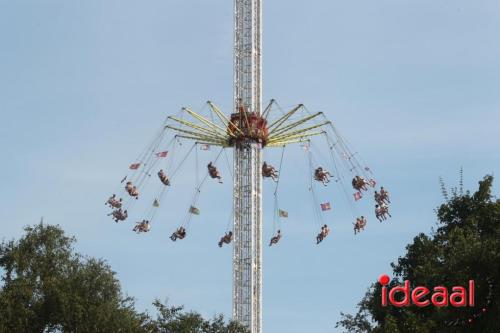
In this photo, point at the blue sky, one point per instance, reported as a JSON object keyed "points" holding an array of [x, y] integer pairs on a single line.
{"points": [[414, 86]]}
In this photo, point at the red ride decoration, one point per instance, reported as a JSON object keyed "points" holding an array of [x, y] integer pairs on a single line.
{"points": [[251, 126]]}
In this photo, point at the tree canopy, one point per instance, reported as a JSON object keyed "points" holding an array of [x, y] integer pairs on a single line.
{"points": [[465, 245], [48, 287]]}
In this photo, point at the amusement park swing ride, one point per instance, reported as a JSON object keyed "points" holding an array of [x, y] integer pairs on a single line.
{"points": [[248, 131]]}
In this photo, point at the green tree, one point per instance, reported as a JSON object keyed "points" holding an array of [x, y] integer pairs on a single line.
{"points": [[174, 320], [47, 287], [465, 245]]}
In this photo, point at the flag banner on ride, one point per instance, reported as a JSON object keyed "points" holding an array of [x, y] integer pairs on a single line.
{"points": [[162, 154], [282, 213], [305, 146], [372, 182], [325, 206], [156, 203], [194, 210], [205, 147], [134, 166], [358, 196]]}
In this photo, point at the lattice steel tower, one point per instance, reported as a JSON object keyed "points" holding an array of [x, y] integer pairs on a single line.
{"points": [[247, 250], [248, 130]]}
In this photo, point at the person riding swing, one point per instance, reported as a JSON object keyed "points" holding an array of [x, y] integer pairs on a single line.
{"points": [[119, 215], [132, 190], [357, 227], [359, 183], [226, 239], [360, 224], [269, 171], [322, 175], [381, 211], [113, 202], [178, 234], [384, 195], [275, 239], [163, 178], [142, 226], [213, 172], [323, 233]]}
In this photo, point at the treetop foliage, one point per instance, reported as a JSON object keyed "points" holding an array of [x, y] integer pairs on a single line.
{"points": [[465, 245], [47, 287]]}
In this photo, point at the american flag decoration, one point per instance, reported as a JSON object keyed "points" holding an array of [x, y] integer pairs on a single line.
{"points": [[358, 196], [282, 213], [162, 154], [194, 210], [325, 206], [305, 146], [134, 166], [205, 147]]}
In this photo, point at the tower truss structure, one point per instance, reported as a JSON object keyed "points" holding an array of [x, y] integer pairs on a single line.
{"points": [[248, 130]]}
